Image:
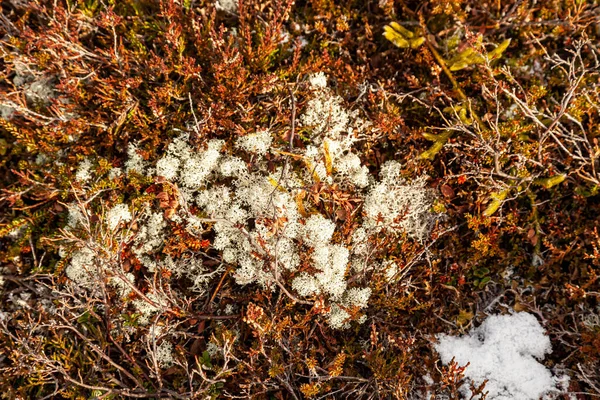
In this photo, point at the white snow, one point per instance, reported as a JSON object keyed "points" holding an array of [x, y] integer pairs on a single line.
{"points": [[505, 350]]}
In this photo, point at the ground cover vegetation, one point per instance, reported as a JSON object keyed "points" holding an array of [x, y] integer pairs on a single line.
{"points": [[284, 199]]}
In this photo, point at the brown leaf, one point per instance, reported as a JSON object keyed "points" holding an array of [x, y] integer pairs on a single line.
{"points": [[163, 196], [196, 348], [169, 213], [171, 371], [201, 326], [518, 307], [447, 191], [532, 237]]}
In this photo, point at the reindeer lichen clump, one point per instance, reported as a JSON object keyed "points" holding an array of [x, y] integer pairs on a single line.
{"points": [[260, 223]]}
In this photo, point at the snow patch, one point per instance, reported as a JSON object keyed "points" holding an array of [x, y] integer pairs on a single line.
{"points": [[505, 350]]}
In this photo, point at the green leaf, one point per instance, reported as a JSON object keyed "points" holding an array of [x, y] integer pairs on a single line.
{"points": [[206, 359], [588, 192], [3, 147], [484, 282], [481, 272], [83, 318]]}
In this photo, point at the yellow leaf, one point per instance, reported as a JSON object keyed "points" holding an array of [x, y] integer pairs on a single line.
{"points": [[415, 43], [466, 53], [328, 163], [402, 37], [442, 137], [550, 182], [402, 30], [395, 37], [469, 57], [497, 52], [464, 317], [432, 151], [462, 114], [466, 58], [312, 169], [475, 58], [497, 200], [300, 203], [276, 184], [459, 65]]}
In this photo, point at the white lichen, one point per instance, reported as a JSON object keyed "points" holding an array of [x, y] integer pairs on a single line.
{"points": [[258, 143], [118, 214], [84, 171]]}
